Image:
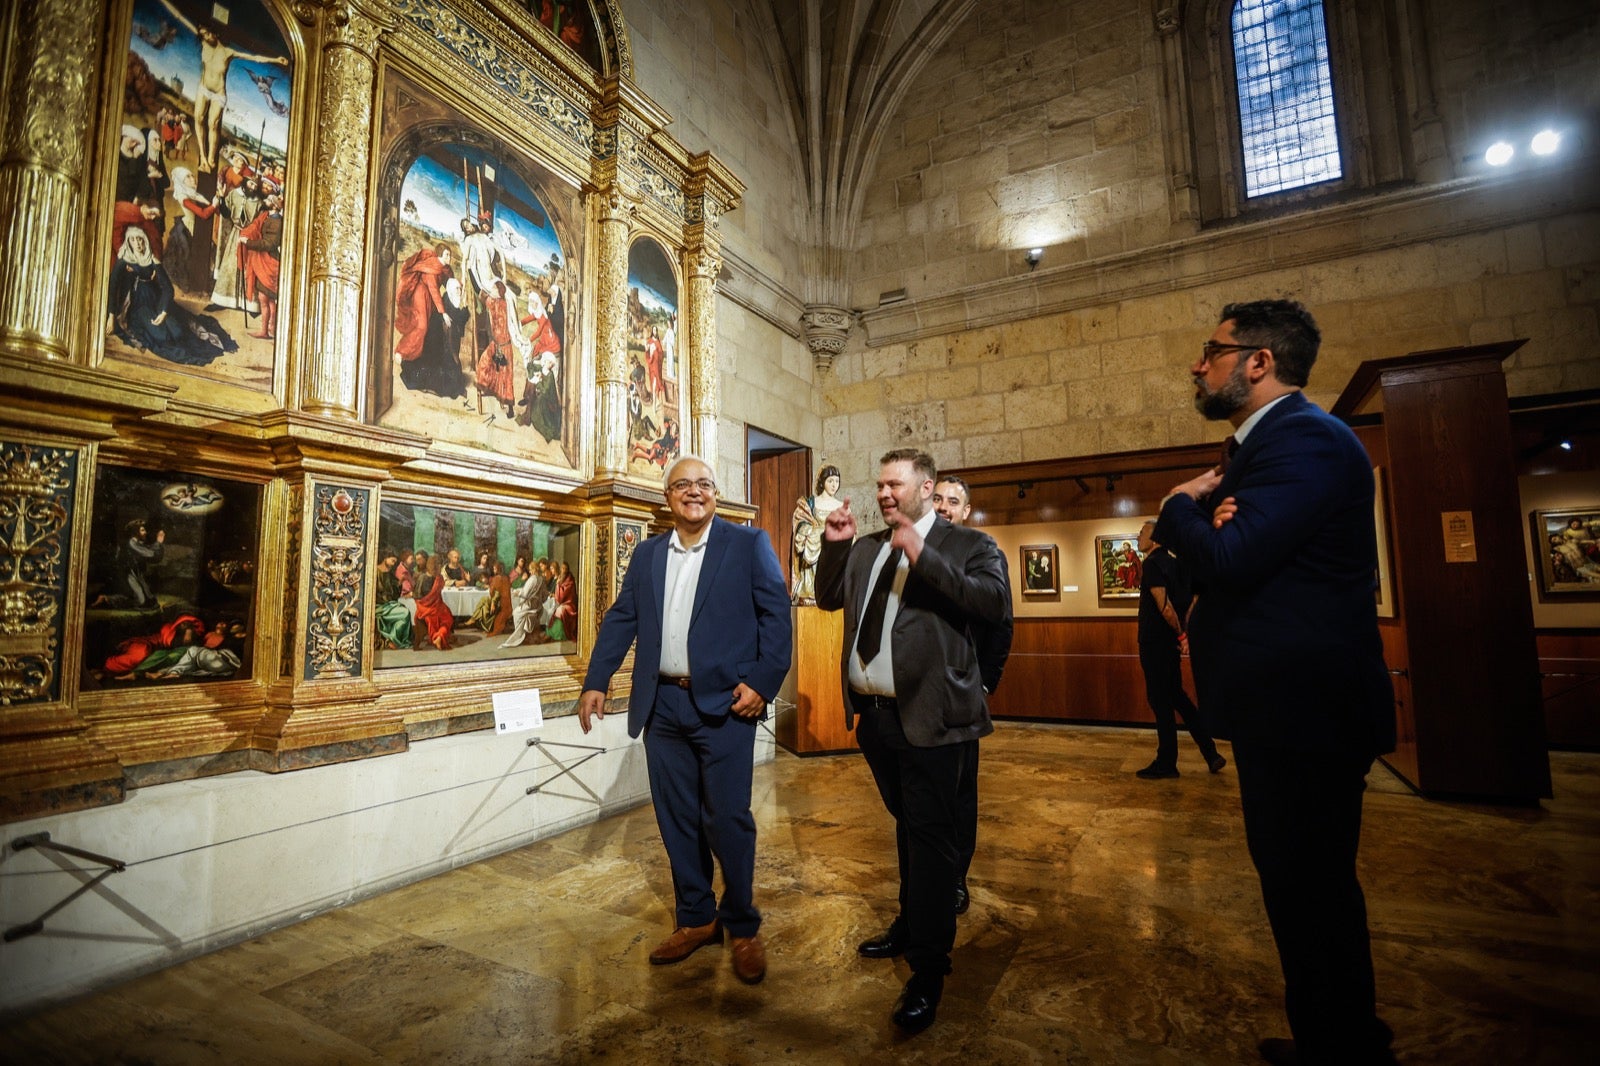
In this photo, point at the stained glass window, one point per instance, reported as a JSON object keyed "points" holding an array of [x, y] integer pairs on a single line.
{"points": [[1286, 112]]}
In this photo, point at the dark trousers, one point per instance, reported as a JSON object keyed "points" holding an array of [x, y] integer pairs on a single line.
{"points": [[1302, 821], [700, 769], [919, 788], [967, 816], [1163, 687]]}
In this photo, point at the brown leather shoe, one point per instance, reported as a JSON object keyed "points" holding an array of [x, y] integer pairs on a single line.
{"points": [[749, 958], [685, 941]]}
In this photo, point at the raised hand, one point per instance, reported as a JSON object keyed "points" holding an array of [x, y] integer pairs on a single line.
{"points": [[841, 523]]}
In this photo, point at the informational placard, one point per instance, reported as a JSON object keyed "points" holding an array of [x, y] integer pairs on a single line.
{"points": [[517, 711], [1460, 542]]}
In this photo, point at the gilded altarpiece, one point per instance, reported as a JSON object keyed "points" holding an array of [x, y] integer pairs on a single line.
{"points": [[347, 268]]}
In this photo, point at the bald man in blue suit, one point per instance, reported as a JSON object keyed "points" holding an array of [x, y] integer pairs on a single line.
{"points": [[708, 608]]}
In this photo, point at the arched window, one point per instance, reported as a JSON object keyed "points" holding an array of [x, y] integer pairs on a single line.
{"points": [[1287, 128], [1273, 105]]}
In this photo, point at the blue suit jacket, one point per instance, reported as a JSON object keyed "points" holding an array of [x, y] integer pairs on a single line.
{"points": [[739, 629], [1285, 634]]}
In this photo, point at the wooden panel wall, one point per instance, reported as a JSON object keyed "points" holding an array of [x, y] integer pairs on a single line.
{"points": [[1569, 669]]}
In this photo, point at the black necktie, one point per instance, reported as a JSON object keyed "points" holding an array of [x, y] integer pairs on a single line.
{"points": [[870, 636], [1229, 447]]}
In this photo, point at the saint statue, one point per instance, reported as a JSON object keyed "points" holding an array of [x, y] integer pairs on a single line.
{"points": [[809, 515]]}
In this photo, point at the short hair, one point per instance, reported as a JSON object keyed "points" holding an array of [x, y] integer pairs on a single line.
{"points": [[956, 479], [1283, 326], [920, 461], [666, 475]]}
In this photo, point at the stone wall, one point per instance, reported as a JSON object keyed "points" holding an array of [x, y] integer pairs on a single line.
{"points": [[1041, 127]]}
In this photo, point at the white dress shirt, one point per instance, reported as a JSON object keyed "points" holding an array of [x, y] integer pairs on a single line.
{"points": [[683, 577], [877, 677]]}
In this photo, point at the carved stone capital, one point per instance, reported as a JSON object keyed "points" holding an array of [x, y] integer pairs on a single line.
{"points": [[826, 328], [355, 25], [1168, 21]]}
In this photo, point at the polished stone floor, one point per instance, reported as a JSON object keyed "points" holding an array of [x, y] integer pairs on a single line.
{"points": [[1113, 921]]}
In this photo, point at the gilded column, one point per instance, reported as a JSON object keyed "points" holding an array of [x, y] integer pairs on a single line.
{"points": [[54, 52], [330, 374], [611, 329], [711, 192], [705, 394]]}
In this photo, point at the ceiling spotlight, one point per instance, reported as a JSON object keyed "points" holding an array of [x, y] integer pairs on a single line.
{"points": [[1034, 255], [1545, 142], [1499, 154], [1566, 445]]}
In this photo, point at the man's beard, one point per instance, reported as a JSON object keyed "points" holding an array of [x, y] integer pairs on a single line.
{"points": [[1232, 395]]}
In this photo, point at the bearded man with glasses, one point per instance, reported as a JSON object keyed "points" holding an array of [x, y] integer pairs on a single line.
{"points": [[708, 607], [1288, 660]]}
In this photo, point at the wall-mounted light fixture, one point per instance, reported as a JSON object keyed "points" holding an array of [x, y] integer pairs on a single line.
{"points": [[1545, 142], [1034, 255], [1022, 489], [1499, 154]]}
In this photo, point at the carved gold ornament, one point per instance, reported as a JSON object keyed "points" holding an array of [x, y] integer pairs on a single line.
{"points": [[36, 485]]}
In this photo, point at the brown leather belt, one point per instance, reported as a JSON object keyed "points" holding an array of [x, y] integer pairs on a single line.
{"points": [[668, 679]]}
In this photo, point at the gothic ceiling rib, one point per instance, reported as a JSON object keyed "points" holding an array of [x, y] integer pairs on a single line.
{"points": [[843, 67]]}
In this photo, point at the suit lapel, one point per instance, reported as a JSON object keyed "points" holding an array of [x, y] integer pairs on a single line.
{"points": [[1259, 435], [657, 583], [716, 549]]}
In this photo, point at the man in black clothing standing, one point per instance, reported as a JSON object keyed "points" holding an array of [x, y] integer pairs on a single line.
{"points": [[1164, 600]]}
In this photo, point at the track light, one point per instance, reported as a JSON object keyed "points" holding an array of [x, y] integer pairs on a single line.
{"points": [[1545, 142], [1034, 255]]}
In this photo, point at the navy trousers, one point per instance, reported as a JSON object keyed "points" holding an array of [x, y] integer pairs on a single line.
{"points": [[700, 770], [1302, 821]]}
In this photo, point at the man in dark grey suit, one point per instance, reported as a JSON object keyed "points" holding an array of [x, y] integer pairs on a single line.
{"points": [[952, 498], [912, 596], [1288, 660]]}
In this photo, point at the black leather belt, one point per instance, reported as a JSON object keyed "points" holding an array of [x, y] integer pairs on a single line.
{"points": [[864, 702], [676, 682]]}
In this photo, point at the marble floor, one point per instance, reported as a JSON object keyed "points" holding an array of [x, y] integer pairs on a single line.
{"points": [[1113, 921]]}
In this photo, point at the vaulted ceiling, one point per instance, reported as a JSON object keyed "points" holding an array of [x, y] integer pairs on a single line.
{"points": [[843, 67]]}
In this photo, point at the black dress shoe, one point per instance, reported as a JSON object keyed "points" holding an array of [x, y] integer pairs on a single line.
{"points": [[888, 945], [1279, 1051], [963, 897], [1156, 772], [1216, 763], [918, 1005]]}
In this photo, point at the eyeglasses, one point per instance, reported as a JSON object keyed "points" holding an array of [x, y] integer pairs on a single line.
{"points": [[1210, 350], [683, 484]]}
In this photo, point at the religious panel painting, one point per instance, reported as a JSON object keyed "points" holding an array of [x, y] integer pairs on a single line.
{"points": [[1120, 564], [466, 586], [573, 24], [193, 280], [655, 398], [475, 310], [172, 579]]}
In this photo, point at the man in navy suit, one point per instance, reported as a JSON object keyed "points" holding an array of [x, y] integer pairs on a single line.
{"points": [[1288, 661], [913, 596], [709, 609]]}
